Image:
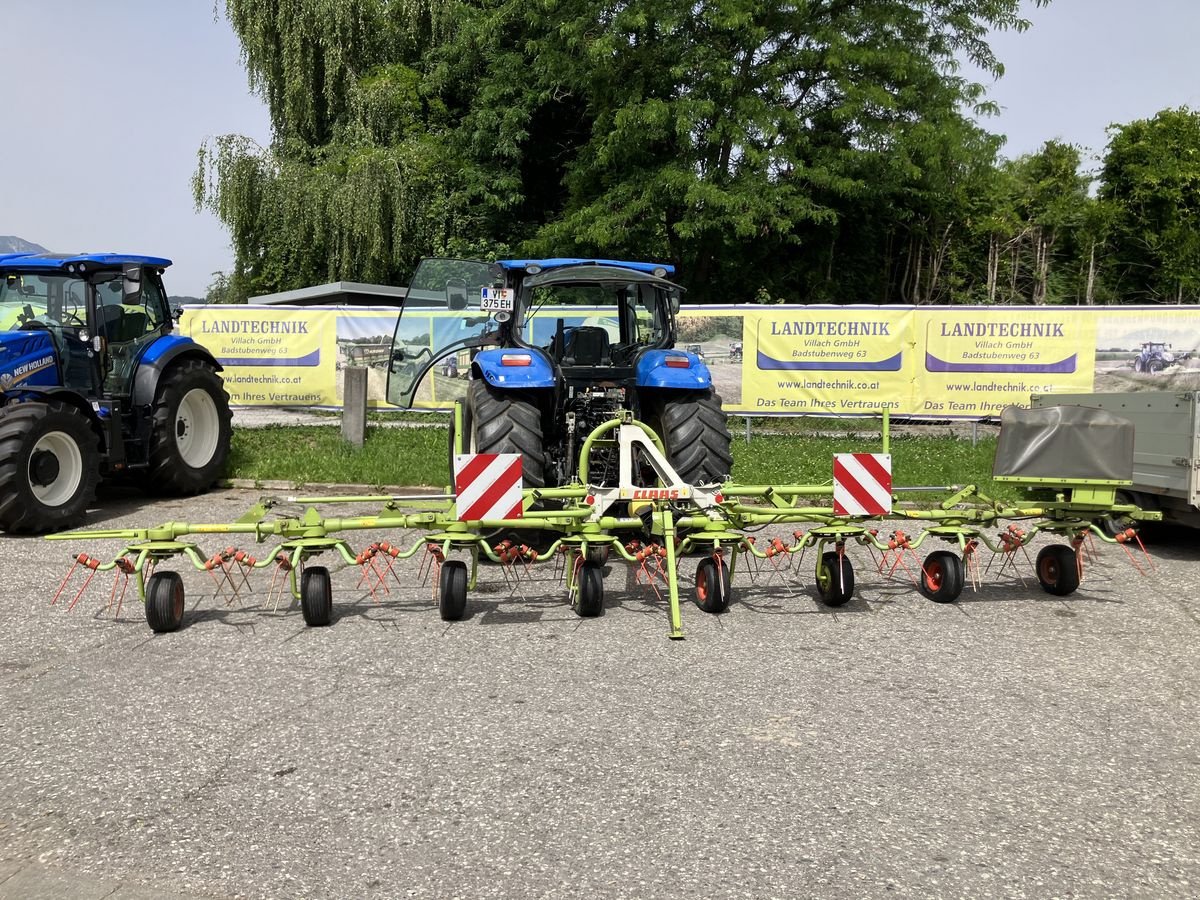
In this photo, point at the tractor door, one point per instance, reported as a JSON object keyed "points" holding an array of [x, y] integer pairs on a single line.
{"points": [[132, 310], [441, 318]]}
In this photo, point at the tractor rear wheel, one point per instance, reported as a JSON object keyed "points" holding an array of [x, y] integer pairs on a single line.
{"points": [[694, 432], [49, 466], [504, 421], [192, 429]]}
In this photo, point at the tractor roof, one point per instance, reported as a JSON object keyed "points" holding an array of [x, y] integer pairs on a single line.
{"points": [[560, 263], [65, 260]]}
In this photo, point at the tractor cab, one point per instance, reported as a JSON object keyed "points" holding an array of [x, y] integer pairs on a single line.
{"points": [[81, 325], [558, 347]]}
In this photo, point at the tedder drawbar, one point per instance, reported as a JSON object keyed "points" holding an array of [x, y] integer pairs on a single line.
{"points": [[1073, 459]]}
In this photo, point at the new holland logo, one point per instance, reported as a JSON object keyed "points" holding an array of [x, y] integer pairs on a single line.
{"points": [[20, 373]]}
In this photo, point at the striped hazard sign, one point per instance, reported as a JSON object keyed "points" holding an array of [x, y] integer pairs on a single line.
{"points": [[487, 486], [862, 484]]}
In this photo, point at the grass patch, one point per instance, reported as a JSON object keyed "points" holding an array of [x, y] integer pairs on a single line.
{"points": [[316, 454]]}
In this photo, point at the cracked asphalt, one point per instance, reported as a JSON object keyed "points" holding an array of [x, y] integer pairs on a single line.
{"points": [[1012, 744]]}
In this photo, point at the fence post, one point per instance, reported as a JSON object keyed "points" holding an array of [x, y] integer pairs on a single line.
{"points": [[747, 429], [354, 406]]}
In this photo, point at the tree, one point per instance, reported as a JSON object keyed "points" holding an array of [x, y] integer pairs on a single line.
{"points": [[731, 137], [1150, 187]]}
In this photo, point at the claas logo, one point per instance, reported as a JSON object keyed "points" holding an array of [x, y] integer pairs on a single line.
{"points": [[656, 494]]}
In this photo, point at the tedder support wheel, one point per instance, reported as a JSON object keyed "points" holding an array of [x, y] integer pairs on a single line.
{"points": [[597, 554], [49, 466], [192, 429], [1058, 570], [589, 602], [505, 421], [164, 601], [712, 585], [942, 577], [452, 590], [694, 432], [316, 596], [835, 582]]}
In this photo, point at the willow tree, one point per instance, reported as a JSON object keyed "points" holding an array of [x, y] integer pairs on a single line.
{"points": [[731, 137]]}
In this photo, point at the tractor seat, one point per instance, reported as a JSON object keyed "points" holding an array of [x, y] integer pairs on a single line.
{"points": [[586, 345]]}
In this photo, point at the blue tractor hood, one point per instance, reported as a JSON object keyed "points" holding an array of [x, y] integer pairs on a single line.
{"points": [[27, 359]]}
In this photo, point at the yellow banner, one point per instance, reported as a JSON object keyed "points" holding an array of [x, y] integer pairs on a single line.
{"points": [[936, 362]]}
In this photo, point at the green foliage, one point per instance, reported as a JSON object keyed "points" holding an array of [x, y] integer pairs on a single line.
{"points": [[1150, 191], [819, 146]]}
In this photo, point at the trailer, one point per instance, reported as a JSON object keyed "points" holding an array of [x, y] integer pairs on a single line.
{"points": [[1166, 450]]}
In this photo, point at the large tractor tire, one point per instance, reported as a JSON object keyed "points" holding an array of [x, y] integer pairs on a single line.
{"points": [[49, 467], [694, 431], [192, 429], [505, 421]]}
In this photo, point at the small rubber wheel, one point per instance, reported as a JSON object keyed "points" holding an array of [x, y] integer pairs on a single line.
{"points": [[316, 596], [589, 601], [1057, 570], [597, 554], [835, 582], [942, 577], [452, 590], [164, 602], [712, 585]]}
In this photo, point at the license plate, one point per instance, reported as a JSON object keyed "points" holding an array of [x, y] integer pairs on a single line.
{"points": [[496, 299]]}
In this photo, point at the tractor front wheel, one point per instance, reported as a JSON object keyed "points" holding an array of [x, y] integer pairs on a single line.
{"points": [[192, 430], [49, 466]]}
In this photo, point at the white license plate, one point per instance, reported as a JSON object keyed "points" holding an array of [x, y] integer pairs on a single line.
{"points": [[496, 299]]}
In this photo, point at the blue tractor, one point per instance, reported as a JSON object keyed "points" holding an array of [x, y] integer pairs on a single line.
{"points": [[93, 382], [557, 347]]}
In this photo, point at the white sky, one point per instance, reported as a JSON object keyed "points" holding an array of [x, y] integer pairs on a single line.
{"points": [[107, 109]]}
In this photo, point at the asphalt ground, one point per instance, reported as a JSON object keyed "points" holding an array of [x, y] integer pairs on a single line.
{"points": [[1012, 744]]}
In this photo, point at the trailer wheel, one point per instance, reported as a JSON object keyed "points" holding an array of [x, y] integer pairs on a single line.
{"points": [[452, 590], [712, 585], [192, 430], [835, 578], [164, 602], [504, 421], [316, 596], [1057, 570], [694, 432], [942, 577], [589, 601], [49, 466]]}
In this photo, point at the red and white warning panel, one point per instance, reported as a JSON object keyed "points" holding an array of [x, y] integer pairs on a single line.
{"points": [[487, 486], [862, 484]]}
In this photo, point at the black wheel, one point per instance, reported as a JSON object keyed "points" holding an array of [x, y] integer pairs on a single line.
{"points": [[589, 602], [49, 466], [712, 585], [1139, 365], [835, 578], [452, 590], [192, 429], [1154, 366], [942, 577], [164, 601], [694, 432], [503, 421], [1057, 570], [316, 596]]}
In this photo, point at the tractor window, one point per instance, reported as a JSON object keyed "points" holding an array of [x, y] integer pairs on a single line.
{"points": [[632, 314], [127, 327]]}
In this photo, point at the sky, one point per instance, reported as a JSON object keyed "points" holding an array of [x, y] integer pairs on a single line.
{"points": [[116, 108]]}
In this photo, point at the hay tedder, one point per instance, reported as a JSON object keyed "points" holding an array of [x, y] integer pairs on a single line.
{"points": [[1072, 459]]}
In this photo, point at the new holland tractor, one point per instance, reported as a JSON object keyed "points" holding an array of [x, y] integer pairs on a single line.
{"points": [[93, 382], [558, 347]]}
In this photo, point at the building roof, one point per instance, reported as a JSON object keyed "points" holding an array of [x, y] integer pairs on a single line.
{"points": [[328, 293]]}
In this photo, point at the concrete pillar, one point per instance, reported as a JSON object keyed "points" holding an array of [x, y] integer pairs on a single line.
{"points": [[354, 406]]}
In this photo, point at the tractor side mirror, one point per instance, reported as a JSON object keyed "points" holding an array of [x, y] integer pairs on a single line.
{"points": [[675, 303], [456, 294], [131, 285]]}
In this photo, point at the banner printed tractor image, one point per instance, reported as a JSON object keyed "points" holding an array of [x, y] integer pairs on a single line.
{"points": [[542, 379], [93, 382], [1156, 356]]}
